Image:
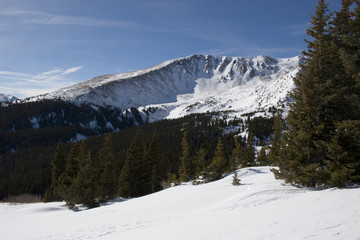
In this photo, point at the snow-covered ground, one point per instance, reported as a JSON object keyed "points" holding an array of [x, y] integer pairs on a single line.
{"points": [[260, 208]]}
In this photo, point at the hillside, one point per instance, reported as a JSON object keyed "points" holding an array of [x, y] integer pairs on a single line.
{"points": [[194, 84], [260, 208]]}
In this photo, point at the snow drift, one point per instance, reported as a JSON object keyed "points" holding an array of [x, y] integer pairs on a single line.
{"points": [[260, 208]]}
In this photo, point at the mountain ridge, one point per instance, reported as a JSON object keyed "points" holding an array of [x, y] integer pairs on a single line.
{"points": [[193, 84], [7, 98]]}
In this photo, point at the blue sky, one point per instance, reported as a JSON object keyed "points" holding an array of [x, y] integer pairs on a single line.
{"points": [[49, 44]]}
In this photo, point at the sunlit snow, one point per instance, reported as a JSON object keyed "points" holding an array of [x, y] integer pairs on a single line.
{"points": [[260, 208]]}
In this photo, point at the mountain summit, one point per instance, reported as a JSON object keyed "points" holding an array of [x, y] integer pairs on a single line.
{"points": [[7, 98], [193, 84]]}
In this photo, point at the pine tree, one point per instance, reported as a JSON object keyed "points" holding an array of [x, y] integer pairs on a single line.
{"points": [[275, 140], [107, 184], [186, 168], [200, 161], [83, 185], [152, 165], [262, 158], [248, 157], [132, 177], [65, 187], [326, 103], [219, 163], [237, 154], [344, 147], [58, 167]]}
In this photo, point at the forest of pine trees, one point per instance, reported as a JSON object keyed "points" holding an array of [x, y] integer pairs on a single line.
{"points": [[321, 144], [84, 177]]}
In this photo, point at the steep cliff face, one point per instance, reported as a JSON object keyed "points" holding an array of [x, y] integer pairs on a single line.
{"points": [[193, 84]]}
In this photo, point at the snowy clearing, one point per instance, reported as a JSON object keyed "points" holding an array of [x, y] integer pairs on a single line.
{"points": [[260, 208]]}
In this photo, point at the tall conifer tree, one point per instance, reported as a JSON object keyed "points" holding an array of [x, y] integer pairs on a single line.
{"points": [[84, 184], [324, 111], [186, 168], [58, 167], [132, 175], [107, 182], [219, 163]]}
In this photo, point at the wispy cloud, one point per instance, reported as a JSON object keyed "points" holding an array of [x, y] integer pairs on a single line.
{"points": [[296, 29], [37, 17], [25, 85]]}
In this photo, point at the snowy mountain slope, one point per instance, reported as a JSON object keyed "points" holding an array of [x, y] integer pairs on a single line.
{"points": [[193, 84], [7, 98], [260, 208]]}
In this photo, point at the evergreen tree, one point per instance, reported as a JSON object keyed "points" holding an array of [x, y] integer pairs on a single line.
{"points": [[83, 185], [132, 177], [326, 103], [262, 158], [58, 167], [152, 165], [107, 187], [186, 168], [275, 140], [219, 163], [200, 160], [248, 157], [236, 155], [66, 180]]}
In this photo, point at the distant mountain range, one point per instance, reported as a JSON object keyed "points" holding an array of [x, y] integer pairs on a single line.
{"points": [[7, 98], [194, 84]]}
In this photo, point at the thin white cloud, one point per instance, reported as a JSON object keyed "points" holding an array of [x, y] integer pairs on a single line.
{"points": [[71, 70], [296, 29], [26, 85], [37, 17]]}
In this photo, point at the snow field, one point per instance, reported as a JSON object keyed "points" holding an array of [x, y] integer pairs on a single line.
{"points": [[260, 208]]}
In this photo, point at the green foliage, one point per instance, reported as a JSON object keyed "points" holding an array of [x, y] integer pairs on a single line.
{"points": [[186, 168], [152, 158], [133, 172], [65, 186], [321, 145], [218, 165], [58, 167], [107, 184], [83, 185], [262, 158]]}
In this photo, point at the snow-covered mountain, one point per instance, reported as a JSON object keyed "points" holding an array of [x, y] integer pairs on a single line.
{"points": [[193, 84], [260, 208], [7, 98]]}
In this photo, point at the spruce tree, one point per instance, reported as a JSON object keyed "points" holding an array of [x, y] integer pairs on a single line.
{"points": [[262, 158], [107, 182], [326, 104], [132, 177], [219, 163], [58, 167], [152, 165], [200, 161], [276, 138], [237, 154], [84, 184], [186, 168], [248, 157], [65, 187]]}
